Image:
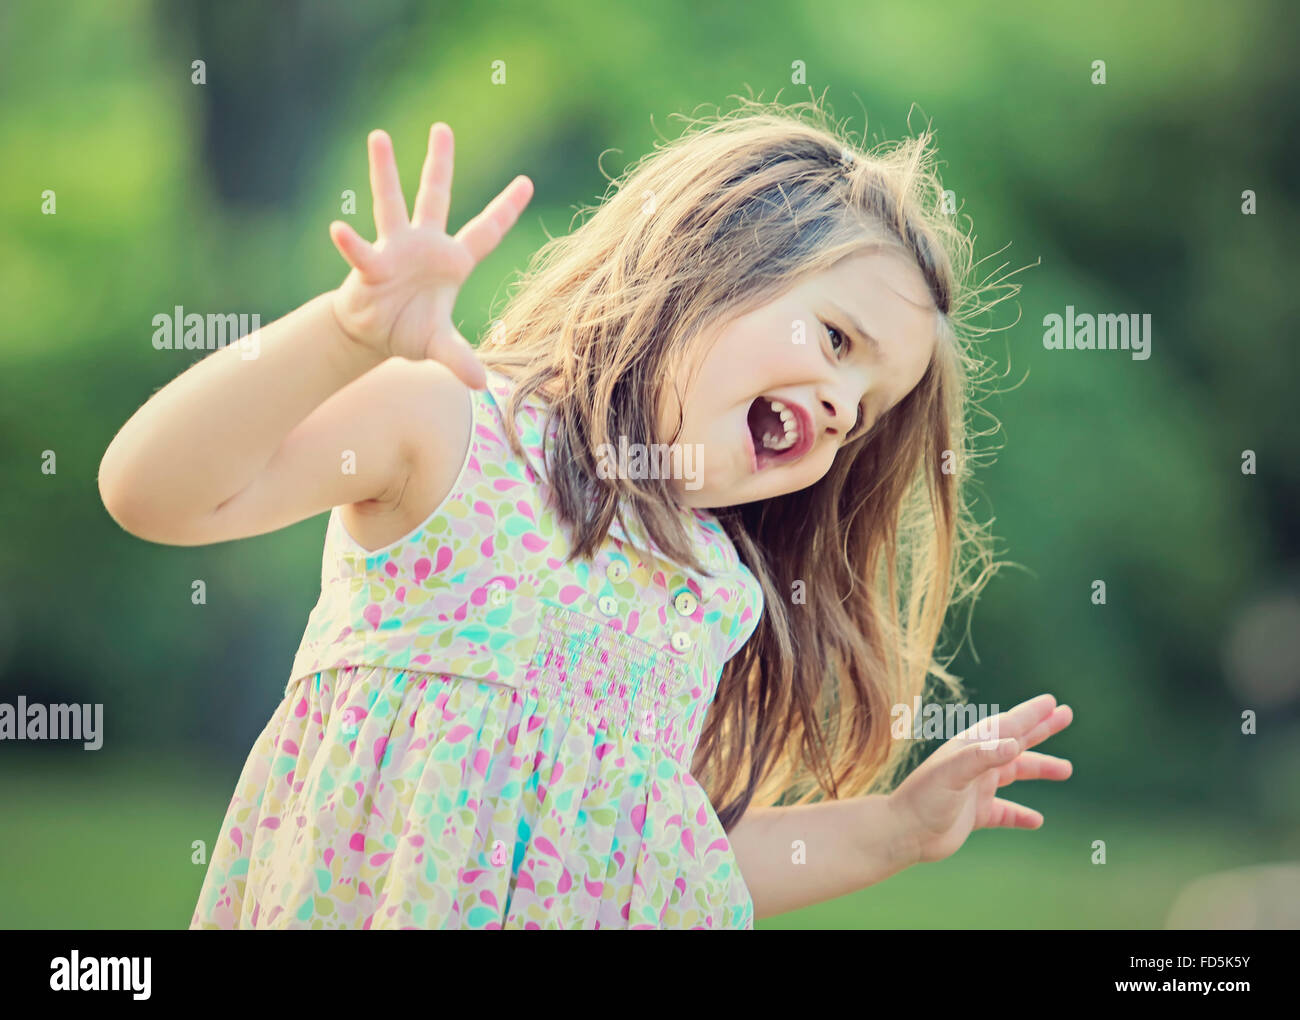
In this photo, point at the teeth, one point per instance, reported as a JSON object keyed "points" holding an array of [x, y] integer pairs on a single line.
{"points": [[790, 428]]}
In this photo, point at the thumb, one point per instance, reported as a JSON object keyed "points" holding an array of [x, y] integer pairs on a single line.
{"points": [[454, 351]]}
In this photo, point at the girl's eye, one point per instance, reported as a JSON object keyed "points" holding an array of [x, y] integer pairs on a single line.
{"points": [[846, 343], [844, 339]]}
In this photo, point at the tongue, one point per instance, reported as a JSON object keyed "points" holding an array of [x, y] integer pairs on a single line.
{"points": [[765, 421]]}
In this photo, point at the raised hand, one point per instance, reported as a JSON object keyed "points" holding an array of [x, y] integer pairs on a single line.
{"points": [[954, 791], [399, 296]]}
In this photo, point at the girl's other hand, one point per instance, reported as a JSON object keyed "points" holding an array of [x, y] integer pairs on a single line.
{"points": [[399, 296], [953, 791]]}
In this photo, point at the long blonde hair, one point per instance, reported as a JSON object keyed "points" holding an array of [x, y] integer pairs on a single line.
{"points": [[708, 226]]}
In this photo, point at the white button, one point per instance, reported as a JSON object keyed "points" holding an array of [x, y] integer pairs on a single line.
{"points": [[685, 603], [681, 641], [616, 571], [608, 605]]}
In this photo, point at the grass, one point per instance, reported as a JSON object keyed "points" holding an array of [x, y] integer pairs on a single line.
{"points": [[112, 847]]}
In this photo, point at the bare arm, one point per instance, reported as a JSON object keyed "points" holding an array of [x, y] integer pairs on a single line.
{"points": [[349, 396], [211, 432], [793, 857]]}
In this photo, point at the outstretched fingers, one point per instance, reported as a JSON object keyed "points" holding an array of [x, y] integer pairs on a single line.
{"points": [[1034, 765], [977, 757], [1006, 814], [385, 186], [434, 197], [484, 232], [1014, 722], [1060, 718], [358, 252]]}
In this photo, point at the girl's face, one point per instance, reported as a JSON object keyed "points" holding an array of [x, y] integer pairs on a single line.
{"points": [[803, 351]]}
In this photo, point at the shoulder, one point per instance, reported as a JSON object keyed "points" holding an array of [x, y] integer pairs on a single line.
{"points": [[434, 411]]}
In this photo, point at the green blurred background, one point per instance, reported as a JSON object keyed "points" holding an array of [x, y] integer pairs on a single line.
{"points": [[217, 197]]}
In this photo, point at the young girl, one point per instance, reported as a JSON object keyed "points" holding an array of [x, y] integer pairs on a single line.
{"points": [[540, 658]]}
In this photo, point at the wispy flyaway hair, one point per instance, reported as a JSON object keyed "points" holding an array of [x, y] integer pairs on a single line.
{"points": [[859, 570]]}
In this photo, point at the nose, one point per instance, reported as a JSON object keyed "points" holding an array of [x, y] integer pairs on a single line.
{"points": [[839, 412]]}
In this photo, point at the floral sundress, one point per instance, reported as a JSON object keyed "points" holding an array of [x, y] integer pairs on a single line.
{"points": [[478, 735]]}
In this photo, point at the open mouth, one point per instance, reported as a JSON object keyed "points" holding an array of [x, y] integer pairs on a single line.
{"points": [[782, 432]]}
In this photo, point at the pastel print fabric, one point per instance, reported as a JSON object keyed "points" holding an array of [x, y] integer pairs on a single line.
{"points": [[478, 735]]}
